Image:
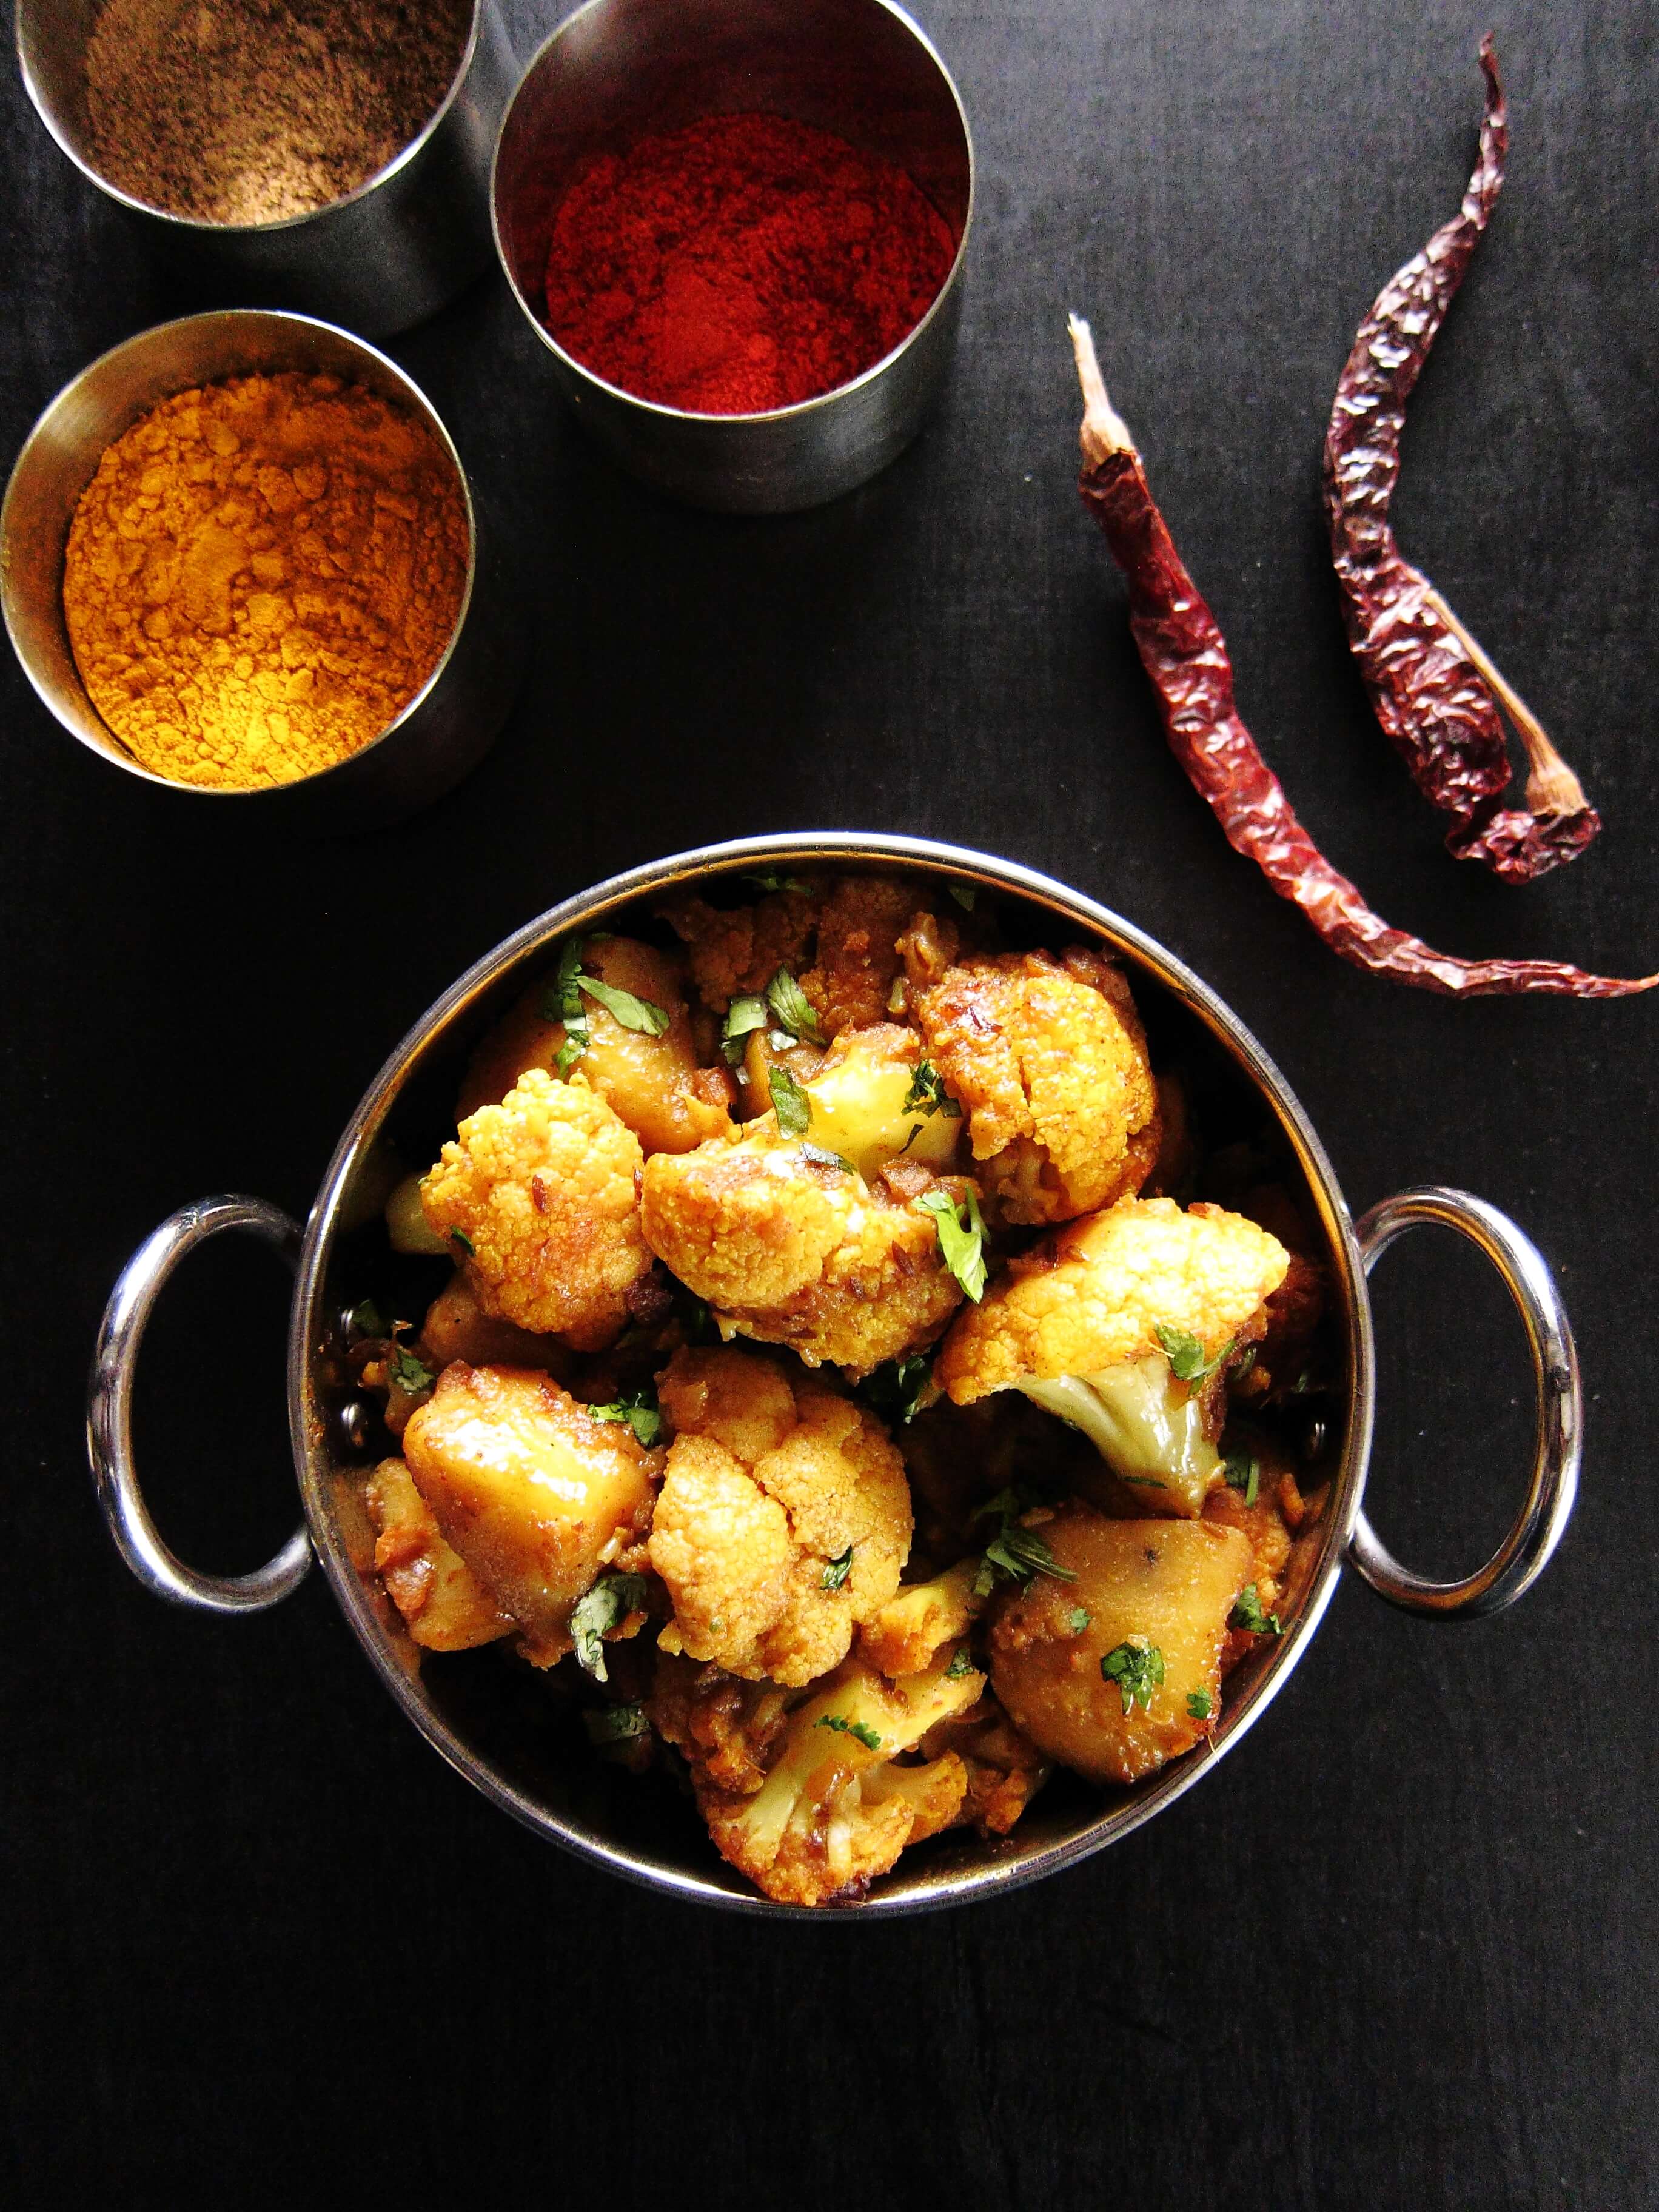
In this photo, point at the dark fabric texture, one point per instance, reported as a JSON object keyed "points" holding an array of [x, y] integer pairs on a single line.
{"points": [[255, 1936]]}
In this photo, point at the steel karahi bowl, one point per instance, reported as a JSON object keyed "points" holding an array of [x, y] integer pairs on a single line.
{"points": [[472, 1707]]}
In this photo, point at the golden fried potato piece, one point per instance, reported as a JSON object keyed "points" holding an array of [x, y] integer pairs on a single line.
{"points": [[1093, 1294], [1049, 1059], [653, 1083], [444, 1605], [537, 1497], [772, 1482], [856, 1098], [1163, 1589], [458, 1327], [791, 1251], [543, 1189], [835, 1808]]}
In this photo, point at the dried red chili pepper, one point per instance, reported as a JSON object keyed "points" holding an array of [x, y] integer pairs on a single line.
{"points": [[1435, 691], [1185, 654]]}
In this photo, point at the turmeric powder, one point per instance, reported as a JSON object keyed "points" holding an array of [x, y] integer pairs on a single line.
{"points": [[262, 574]]}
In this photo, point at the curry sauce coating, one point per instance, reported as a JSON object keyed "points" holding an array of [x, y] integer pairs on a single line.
{"points": [[791, 1251], [543, 1187], [770, 1478], [1049, 1060], [1095, 1293]]}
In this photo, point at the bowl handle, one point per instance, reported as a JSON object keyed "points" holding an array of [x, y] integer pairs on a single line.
{"points": [[109, 1413], [1541, 1522]]}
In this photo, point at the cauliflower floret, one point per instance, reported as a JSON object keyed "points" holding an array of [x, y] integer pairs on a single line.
{"points": [[792, 1250], [543, 1190], [840, 939], [1049, 1059], [784, 1517], [1089, 1321], [913, 1626], [444, 1605], [535, 1496], [654, 1082], [835, 1810]]}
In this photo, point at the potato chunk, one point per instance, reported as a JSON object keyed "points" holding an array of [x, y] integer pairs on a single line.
{"points": [[653, 1083], [1162, 1586], [535, 1496], [856, 1101], [444, 1605]]}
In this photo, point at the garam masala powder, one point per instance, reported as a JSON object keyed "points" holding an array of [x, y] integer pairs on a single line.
{"points": [[261, 575]]}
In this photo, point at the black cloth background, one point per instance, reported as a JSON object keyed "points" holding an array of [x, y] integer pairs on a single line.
{"points": [[1400, 1951]]}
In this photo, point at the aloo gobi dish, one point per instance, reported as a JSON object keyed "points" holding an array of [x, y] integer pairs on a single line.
{"points": [[843, 1371]]}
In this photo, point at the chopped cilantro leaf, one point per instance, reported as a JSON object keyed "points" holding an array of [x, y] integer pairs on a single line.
{"points": [[1078, 1619], [820, 1158], [407, 1372], [743, 1016], [769, 880], [792, 1008], [793, 1107], [616, 1724], [927, 1095], [965, 895], [643, 1016], [366, 1319], [1136, 1669], [1186, 1354], [1198, 1705], [605, 1607], [459, 1237], [836, 1571], [962, 1243], [1246, 1613], [1243, 1472], [1014, 1554], [862, 1729], [961, 1664], [896, 1388], [639, 1409]]}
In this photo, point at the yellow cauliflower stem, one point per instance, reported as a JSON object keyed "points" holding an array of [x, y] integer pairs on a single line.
{"points": [[543, 1187], [912, 1626], [1096, 1292], [537, 1497], [834, 1811], [654, 1082], [791, 1251], [769, 1481], [1049, 1059], [444, 1605]]}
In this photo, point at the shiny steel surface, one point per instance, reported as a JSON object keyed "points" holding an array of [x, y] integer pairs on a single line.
{"points": [[387, 255], [1542, 1520], [619, 68], [452, 721], [955, 1869], [109, 1413]]}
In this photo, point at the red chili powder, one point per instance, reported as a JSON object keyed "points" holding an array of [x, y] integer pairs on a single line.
{"points": [[741, 264]]}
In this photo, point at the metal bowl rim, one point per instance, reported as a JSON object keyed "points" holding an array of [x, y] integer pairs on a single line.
{"points": [[200, 226], [427, 413], [806, 849], [800, 408]]}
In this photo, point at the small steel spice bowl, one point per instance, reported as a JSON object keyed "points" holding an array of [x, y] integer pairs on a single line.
{"points": [[451, 722], [469, 1705], [617, 71], [379, 258]]}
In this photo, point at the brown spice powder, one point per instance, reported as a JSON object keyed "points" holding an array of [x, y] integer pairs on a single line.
{"points": [[261, 575], [252, 110]]}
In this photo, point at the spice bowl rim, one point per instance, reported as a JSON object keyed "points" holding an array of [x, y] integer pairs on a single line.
{"points": [[959, 1870], [206, 226], [63, 406], [798, 410]]}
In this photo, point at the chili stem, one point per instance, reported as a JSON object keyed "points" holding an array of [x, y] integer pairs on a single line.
{"points": [[1551, 786], [1105, 430]]}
